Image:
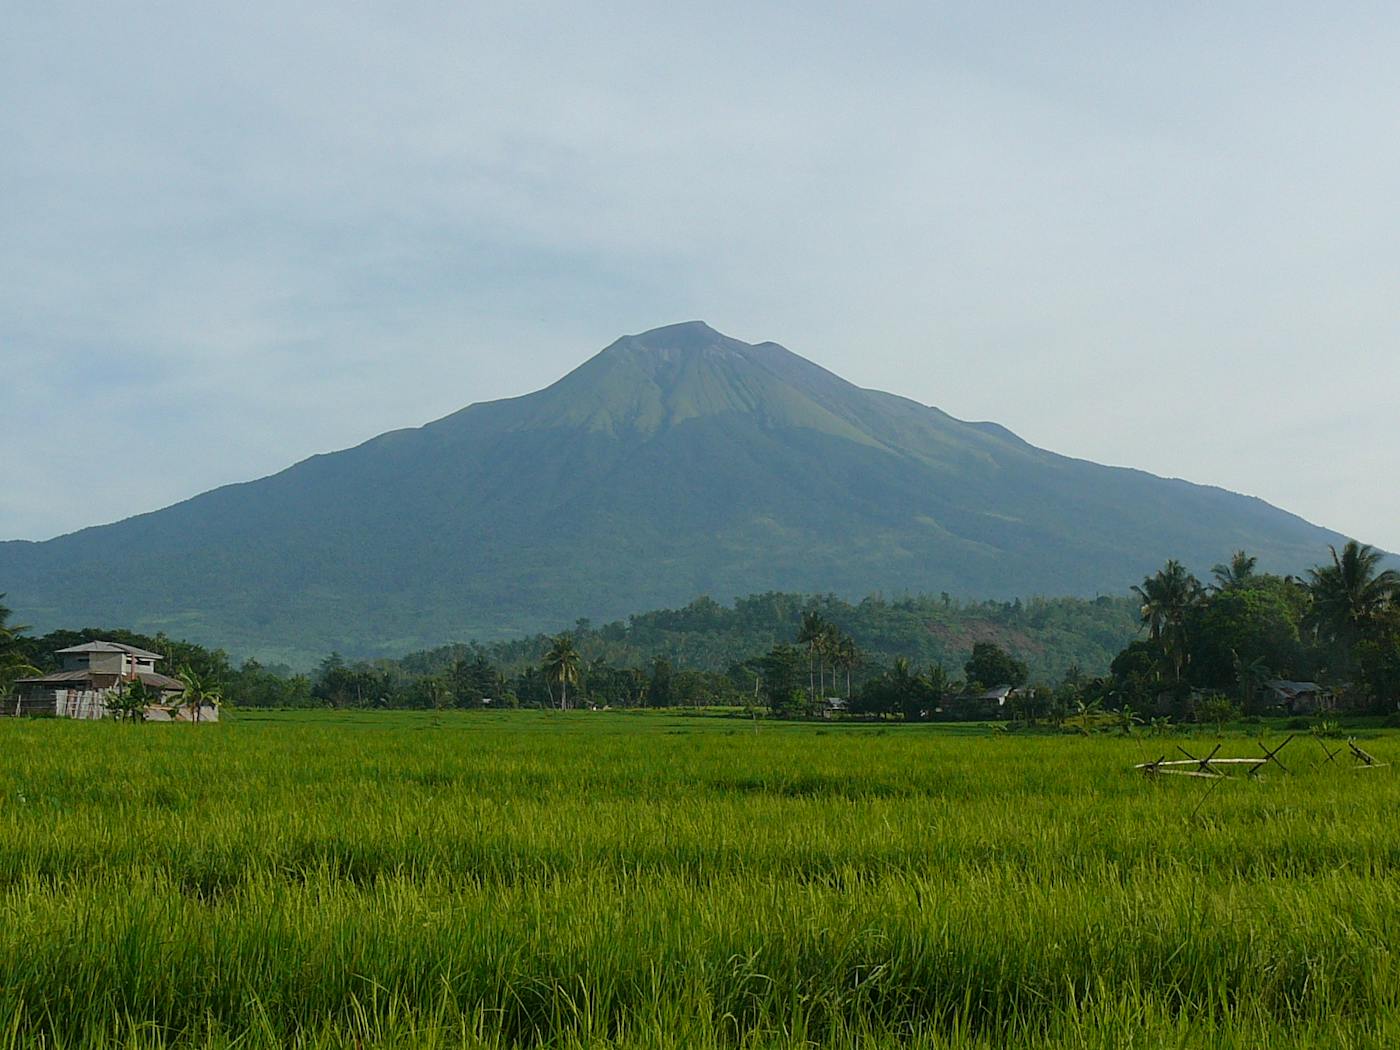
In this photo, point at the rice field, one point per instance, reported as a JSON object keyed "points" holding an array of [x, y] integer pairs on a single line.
{"points": [[597, 879]]}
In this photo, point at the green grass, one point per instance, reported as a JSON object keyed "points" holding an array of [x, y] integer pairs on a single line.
{"points": [[521, 879]]}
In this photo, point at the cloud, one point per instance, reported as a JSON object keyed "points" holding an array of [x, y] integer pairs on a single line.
{"points": [[238, 236]]}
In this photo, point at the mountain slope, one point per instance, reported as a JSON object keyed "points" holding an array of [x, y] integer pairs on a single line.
{"points": [[674, 463]]}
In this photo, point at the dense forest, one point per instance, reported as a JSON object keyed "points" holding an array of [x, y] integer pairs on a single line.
{"points": [[1049, 634], [1175, 647], [700, 653]]}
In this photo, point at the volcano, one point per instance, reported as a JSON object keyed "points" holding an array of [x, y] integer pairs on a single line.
{"points": [[674, 463]]}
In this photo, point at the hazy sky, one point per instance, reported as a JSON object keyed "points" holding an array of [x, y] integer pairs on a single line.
{"points": [[234, 235]]}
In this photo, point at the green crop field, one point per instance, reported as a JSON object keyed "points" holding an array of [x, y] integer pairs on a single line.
{"points": [[600, 879]]}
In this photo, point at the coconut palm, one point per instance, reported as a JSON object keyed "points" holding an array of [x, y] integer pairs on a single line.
{"points": [[561, 667], [829, 652], [1350, 594], [846, 656], [13, 662], [1252, 676], [900, 671], [1167, 597], [1238, 571], [812, 635], [9, 632]]}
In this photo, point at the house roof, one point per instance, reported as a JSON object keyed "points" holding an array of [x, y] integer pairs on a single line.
{"points": [[104, 681], [1001, 692], [57, 678], [1294, 688], [160, 681], [112, 647]]}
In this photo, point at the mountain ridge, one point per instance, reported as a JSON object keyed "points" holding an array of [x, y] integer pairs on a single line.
{"points": [[672, 463]]}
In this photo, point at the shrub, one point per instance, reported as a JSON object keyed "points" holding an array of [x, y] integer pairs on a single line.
{"points": [[1216, 708]]}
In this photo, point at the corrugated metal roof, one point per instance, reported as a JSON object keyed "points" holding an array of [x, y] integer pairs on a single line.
{"points": [[161, 681], [151, 678], [1284, 686], [58, 678], [111, 647], [1001, 692]]}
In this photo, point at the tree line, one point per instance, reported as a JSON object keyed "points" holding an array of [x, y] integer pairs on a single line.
{"points": [[1337, 626], [1206, 652], [1201, 650]]}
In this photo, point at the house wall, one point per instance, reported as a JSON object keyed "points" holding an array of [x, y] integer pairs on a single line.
{"points": [[105, 663], [22, 705]]}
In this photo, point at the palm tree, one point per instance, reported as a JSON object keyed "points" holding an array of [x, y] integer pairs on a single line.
{"points": [[1251, 675], [1235, 573], [13, 662], [9, 632], [846, 656], [900, 670], [561, 666], [1349, 595], [829, 651], [811, 634], [1167, 598]]}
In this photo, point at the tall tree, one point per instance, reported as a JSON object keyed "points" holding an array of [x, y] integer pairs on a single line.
{"points": [[1252, 676], [780, 669], [828, 652], [1350, 597], [937, 685], [1350, 594], [990, 666], [1237, 572], [661, 685], [14, 663], [846, 656], [903, 686], [1253, 622], [561, 666], [1166, 599], [812, 634]]}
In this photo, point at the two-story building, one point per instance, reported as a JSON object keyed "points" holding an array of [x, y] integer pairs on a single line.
{"points": [[91, 672]]}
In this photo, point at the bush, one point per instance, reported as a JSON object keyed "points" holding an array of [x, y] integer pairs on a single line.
{"points": [[1216, 708]]}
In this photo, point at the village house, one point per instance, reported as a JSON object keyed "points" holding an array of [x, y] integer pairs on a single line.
{"points": [[976, 706], [1299, 698], [92, 672]]}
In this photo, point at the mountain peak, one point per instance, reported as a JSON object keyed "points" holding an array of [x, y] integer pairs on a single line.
{"points": [[683, 331], [679, 373], [685, 337]]}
